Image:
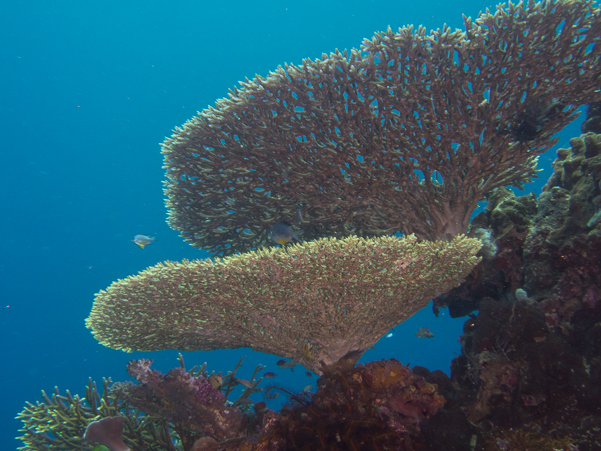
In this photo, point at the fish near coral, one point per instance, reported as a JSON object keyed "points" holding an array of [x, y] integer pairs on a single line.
{"points": [[285, 364], [282, 233], [215, 380], [143, 240], [424, 332]]}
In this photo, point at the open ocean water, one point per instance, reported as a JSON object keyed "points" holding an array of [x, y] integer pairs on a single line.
{"points": [[88, 90]]}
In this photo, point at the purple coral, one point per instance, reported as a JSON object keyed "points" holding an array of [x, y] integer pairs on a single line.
{"points": [[189, 402]]}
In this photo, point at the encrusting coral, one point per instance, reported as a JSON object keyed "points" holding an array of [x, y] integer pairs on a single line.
{"points": [[406, 134], [314, 302]]}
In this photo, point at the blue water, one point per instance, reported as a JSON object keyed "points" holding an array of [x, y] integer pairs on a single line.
{"points": [[88, 90]]}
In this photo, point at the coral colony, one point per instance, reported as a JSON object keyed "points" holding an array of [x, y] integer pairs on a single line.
{"points": [[314, 302], [405, 135]]}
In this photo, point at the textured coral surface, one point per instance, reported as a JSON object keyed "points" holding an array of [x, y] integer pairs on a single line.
{"points": [[530, 370], [313, 302], [407, 134], [375, 406]]}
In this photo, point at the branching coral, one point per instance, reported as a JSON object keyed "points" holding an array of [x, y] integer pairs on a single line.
{"points": [[407, 134], [60, 421], [312, 302], [159, 411]]}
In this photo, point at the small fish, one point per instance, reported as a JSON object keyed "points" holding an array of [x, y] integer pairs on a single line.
{"points": [[215, 380], [281, 233], [309, 374], [389, 335], [284, 364], [247, 384], [269, 375], [299, 215], [424, 332], [308, 388], [143, 240]]}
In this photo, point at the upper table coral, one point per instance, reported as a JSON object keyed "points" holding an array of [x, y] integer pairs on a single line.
{"points": [[406, 134]]}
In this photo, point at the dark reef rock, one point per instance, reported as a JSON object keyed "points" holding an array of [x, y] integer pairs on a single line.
{"points": [[592, 123], [529, 376]]}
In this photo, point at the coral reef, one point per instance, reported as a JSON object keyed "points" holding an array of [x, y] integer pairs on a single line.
{"points": [[160, 412], [60, 422], [187, 400], [531, 358], [375, 406], [406, 134], [312, 302]]}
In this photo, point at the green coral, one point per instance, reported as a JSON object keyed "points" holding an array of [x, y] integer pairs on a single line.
{"points": [[60, 421]]}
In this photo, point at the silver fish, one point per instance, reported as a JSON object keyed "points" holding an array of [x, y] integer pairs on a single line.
{"points": [[143, 240]]}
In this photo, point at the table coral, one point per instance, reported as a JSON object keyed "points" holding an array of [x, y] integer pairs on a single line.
{"points": [[407, 134], [314, 302]]}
